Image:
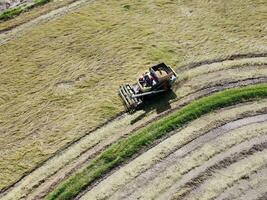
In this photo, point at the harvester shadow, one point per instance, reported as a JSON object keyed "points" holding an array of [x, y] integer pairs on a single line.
{"points": [[159, 103]]}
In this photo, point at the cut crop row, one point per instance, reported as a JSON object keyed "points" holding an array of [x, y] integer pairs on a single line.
{"points": [[126, 148]]}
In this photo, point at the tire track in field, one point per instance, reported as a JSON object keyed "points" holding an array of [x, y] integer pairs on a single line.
{"points": [[202, 173], [180, 103], [219, 60], [219, 180], [226, 162], [220, 77], [228, 64], [258, 192], [246, 186], [212, 152], [237, 56], [182, 152], [127, 173], [263, 196]]}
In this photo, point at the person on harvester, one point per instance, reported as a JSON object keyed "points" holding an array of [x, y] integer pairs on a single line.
{"points": [[147, 80]]}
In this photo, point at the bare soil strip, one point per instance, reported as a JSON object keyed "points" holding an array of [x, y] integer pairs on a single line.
{"points": [[246, 186], [224, 178], [91, 141], [148, 159], [159, 168]]}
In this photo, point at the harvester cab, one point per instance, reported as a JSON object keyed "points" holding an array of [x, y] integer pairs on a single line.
{"points": [[158, 79]]}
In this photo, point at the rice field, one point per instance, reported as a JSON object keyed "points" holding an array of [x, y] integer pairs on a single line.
{"points": [[161, 166], [59, 107]]}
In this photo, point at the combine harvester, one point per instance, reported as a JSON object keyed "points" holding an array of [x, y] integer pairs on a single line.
{"points": [[158, 79]]}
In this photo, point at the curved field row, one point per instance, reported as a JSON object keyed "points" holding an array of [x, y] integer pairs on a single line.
{"points": [[257, 192], [126, 148], [224, 178], [194, 178], [221, 78], [179, 156], [246, 187], [203, 173], [96, 141], [81, 146], [124, 124], [181, 161], [54, 86]]}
